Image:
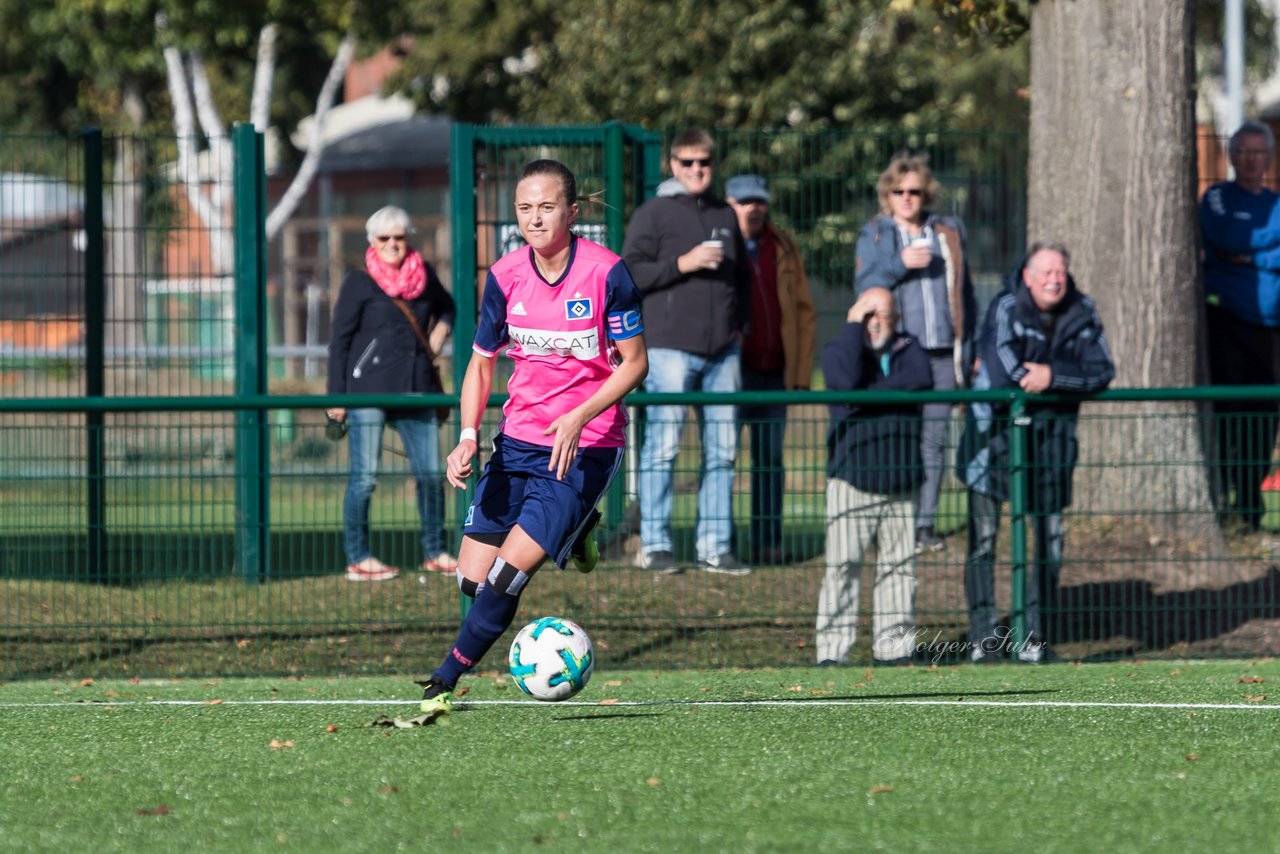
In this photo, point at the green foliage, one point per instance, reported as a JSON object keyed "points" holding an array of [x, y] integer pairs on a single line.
{"points": [[666, 63], [65, 64], [986, 21]]}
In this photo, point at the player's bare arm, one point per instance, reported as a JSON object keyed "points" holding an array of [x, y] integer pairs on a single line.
{"points": [[472, 400]]}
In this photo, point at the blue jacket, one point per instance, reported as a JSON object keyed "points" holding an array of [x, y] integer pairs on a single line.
{"points": [[1014, 332], [875, 448], [936, 304], [1241, 235]]}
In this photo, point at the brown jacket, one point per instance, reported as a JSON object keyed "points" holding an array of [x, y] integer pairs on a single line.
{"points": [[798, 318]]}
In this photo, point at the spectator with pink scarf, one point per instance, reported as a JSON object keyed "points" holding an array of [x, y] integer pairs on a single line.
{"points": [[376, 349]]}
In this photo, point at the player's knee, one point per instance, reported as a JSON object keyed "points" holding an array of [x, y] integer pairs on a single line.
{"points": [[506, 579], [467, 586]]}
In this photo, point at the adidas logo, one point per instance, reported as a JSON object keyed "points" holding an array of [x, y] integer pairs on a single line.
{"points": [[518, 309]]}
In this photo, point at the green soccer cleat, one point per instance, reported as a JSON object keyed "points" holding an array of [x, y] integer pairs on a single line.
{"points": [[437, 697], [586, 554]]}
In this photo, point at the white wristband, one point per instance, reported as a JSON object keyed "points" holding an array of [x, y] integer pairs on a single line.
{"points": [[468, 433]]}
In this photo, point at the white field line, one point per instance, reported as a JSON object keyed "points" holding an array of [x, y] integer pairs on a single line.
{"points": [[801, 704]]}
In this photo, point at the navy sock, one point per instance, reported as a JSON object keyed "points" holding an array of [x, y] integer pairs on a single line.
{"points": [[491, 615]]}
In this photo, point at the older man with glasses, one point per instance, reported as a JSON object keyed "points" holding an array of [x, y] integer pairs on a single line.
{"points": [[690, 262], [1240, 222]]}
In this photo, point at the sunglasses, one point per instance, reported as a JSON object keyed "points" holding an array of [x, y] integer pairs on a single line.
{"points": [[399, 238], [700, 161], [915, 194]]}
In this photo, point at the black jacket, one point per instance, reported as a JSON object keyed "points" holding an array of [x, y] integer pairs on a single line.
{"points": [[1014, 332], [373, 349], [875, 448], [697, 312]]}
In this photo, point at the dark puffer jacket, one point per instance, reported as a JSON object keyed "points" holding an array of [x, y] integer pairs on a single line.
{"points": [[1014, 332], [875, 448]]}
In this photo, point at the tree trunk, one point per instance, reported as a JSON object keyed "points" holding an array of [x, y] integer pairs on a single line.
{"points": [[1113, 177], [124, 275]]}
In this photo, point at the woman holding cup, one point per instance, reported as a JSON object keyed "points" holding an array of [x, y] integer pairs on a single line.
{"points": [[920, 256]]}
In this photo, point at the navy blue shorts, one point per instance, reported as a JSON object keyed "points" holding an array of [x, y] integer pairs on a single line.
{"points": [[518, 489]]}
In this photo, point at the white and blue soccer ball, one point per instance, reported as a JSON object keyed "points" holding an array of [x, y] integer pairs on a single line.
{"points": [[551, 659]]}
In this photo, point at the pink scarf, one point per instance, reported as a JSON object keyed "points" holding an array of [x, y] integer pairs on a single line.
{"points": [[408, 282]]}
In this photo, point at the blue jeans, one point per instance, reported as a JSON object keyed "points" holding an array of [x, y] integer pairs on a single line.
{"points": [[676, 371], [420, 434], [766, 430]]}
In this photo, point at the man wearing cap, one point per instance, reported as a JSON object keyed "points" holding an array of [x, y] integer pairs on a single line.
{"points": [[777, 353]]}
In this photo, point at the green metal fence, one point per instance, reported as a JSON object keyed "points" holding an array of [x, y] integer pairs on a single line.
{"points": [[170, 505]]}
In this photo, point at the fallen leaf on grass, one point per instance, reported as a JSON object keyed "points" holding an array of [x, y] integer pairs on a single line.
{"points": [[796, 688], [1255, 698], [75, 778], [331, 728], [613, 683], [277, 744], [163, 809], [611, 701], [1193, 757], [388, 790], [818, 691], [85, 683], [654, 781], [879, 790], [388, 722], [1251, 680], [213, 702]]}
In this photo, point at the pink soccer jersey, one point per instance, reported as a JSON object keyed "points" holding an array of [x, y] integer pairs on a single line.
{"points": [[561, 336]]}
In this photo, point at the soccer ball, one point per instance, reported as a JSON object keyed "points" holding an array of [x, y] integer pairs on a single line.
{"points": [[551, 659]]}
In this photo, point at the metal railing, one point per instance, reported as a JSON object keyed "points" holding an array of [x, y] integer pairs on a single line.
{"points": [[166, 582]]}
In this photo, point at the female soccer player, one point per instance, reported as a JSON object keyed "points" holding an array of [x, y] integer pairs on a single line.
{"points": [[571, 313]]}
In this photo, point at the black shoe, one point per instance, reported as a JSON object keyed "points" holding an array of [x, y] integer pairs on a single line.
{"points": [[828, 662], [927, 540], [901, 661], [661, 561]]}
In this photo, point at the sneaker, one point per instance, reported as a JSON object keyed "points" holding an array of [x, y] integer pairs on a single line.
{"points": [[725, 564], [436, 697], [661, 561], [585, 550], [979, 655], [371, 569], [1033, 653], [927, 540], [443, 562]]}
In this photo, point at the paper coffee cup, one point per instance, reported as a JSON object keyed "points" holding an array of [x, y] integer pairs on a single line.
{"points": [[715, 244]]}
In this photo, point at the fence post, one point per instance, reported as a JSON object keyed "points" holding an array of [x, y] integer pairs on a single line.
{"points": [[95, 323], [1018, 477], [462, 197], [252, 448]]}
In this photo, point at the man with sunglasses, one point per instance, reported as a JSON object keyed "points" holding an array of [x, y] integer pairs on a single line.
{"points": [[688, 258]]}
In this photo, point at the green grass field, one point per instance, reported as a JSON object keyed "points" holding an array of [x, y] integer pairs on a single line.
{"points": [[1115, 757]]}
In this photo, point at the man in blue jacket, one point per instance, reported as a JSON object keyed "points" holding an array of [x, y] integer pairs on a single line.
{"points": [[874, 468], [1041, 335], [1240, 223]]}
